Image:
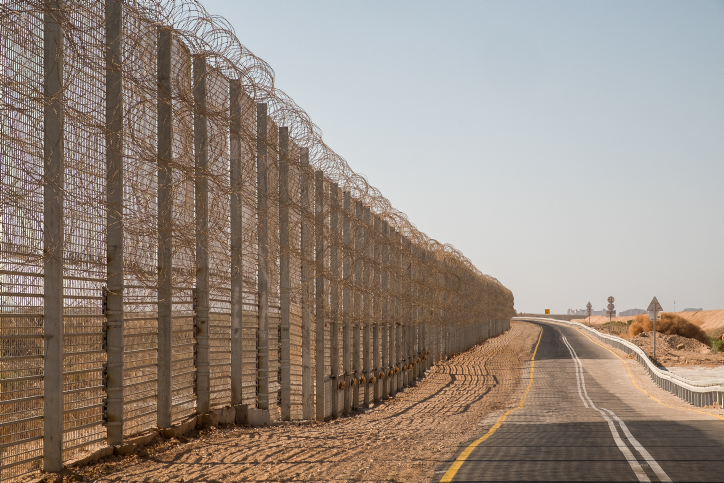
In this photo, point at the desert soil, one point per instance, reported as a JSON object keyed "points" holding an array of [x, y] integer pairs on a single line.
{"points": [[403, 439], [693, 352], [708, 320]]}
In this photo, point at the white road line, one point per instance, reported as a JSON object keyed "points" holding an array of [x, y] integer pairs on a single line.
{"points": [[635, 466], [578, 377], [642, 451]]}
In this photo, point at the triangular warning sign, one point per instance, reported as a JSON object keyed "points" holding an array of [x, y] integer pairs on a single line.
{"points": [[655, 306]]}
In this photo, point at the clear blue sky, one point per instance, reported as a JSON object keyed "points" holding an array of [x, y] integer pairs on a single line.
{"points": [[573, 150]]}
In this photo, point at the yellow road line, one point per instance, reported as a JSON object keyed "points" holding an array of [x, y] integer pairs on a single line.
{"points": [[643, 390], [450, 473]]}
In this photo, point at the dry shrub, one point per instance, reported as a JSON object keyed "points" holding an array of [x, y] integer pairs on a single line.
{"points": [[670, 324]]}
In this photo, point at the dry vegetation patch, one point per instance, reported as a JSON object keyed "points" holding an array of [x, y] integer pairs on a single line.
{"points": [[670, 324], [675, 350]]}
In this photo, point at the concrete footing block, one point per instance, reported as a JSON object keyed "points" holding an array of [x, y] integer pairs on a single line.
{"points": [[253, 417], [226, 415], [94, 456], [179, 429], [125, 449], [209, 419]]}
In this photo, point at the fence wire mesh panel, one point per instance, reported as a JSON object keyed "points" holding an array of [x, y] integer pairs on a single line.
{"points": [[258, 270], [140, 235], [21, 249], [219, 239], [84, 225]]}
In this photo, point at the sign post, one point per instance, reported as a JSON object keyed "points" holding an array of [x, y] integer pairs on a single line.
{"points": [[610, 314], [654, 309], [588, 311]]}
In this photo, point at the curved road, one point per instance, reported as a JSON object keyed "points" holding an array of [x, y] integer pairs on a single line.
{"points": [[583, 419]]}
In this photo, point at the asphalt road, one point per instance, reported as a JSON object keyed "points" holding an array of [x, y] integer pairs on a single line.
{"points": [[584, 420]]}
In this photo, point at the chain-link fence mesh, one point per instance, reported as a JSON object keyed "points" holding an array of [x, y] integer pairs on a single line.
{"points": [[316, 255]]}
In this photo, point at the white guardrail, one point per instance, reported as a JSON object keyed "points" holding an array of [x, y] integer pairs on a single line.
{"points": [[696, 393]]}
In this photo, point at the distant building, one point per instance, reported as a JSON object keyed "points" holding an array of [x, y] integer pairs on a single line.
{"points": [[630, 312], [576, 312], [583, 312], [692, 310]]}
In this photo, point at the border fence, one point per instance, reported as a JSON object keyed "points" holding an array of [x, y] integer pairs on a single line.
{"points": [[176, 238]]}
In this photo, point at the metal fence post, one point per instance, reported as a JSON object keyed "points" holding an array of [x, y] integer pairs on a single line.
{"points": [[384, 310], [357, 302], [284, 277], [307, 288], [114, 222], [53, 240], [319, 218], [367, 304], [376, 308], [397, 277], [235, 214], [336, 271], [403, 287], [347, 300], [201, 151], [263, 255], [410, 332], [165, 224]]}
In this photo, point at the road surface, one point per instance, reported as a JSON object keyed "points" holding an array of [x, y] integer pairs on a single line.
{"points": [[583, 418]]}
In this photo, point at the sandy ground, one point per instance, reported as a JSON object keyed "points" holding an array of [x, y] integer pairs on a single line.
{"points": [[693, 354], [402, 439], [668, 354], [708, 320]]}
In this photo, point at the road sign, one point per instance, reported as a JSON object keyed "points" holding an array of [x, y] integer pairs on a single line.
{"points": [[655, 306], [588, 311], [610, 312]]}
